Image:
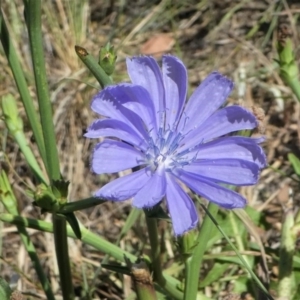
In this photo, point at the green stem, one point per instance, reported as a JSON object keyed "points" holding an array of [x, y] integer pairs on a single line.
{"points": [[156, 262], [21, 83], [26, 150], [93, 66], [193, 263], [33, 15], [62, 254]]}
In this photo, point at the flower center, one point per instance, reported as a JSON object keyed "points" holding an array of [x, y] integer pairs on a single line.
{"points": [[163, 151]]}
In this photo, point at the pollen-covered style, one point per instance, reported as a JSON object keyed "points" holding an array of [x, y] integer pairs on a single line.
{"points": [[148, 124]]}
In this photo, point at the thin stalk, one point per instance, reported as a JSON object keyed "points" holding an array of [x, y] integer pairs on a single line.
{"points": [[62, 254], [21, 83], [30, 158], [194, 263], [29, 246], [156, 263], [33, 15]]}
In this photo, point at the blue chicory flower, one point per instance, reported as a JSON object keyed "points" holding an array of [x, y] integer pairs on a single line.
{"points": [[147, 125]]}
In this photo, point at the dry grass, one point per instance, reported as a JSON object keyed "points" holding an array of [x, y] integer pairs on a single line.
{"points": [[235, 37]]}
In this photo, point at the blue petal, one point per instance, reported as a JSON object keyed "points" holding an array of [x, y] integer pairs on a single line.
{"points": [[224, 121], [205, 100], [137, 99], [181, 207], [211, 191], [117, 129], [144, 71], [113, 156], [175, 82], [152, 192], [110, 103], [230, 171], [237, 147], [124, 187]]}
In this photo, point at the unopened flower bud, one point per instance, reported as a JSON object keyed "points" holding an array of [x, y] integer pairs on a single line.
{"points": [[107, 58]]}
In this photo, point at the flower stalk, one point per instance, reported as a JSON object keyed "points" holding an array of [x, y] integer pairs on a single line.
{"points": [[193, 263], [156, 262], [33, 18]]}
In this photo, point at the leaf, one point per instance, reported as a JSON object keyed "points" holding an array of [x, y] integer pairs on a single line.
{"points": [[214, 274], [73, 222], [294, 160], [5, 290]]}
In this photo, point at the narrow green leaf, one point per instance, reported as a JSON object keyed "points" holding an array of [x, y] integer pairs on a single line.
{"points": [[73, 222]]}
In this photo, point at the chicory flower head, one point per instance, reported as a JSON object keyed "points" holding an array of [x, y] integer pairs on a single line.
{"points": [[148, 125]]}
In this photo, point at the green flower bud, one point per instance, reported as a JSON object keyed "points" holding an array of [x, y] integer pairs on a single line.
{"points": [[60, 190], [107, 58], [45, 199], [287, 62]]}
